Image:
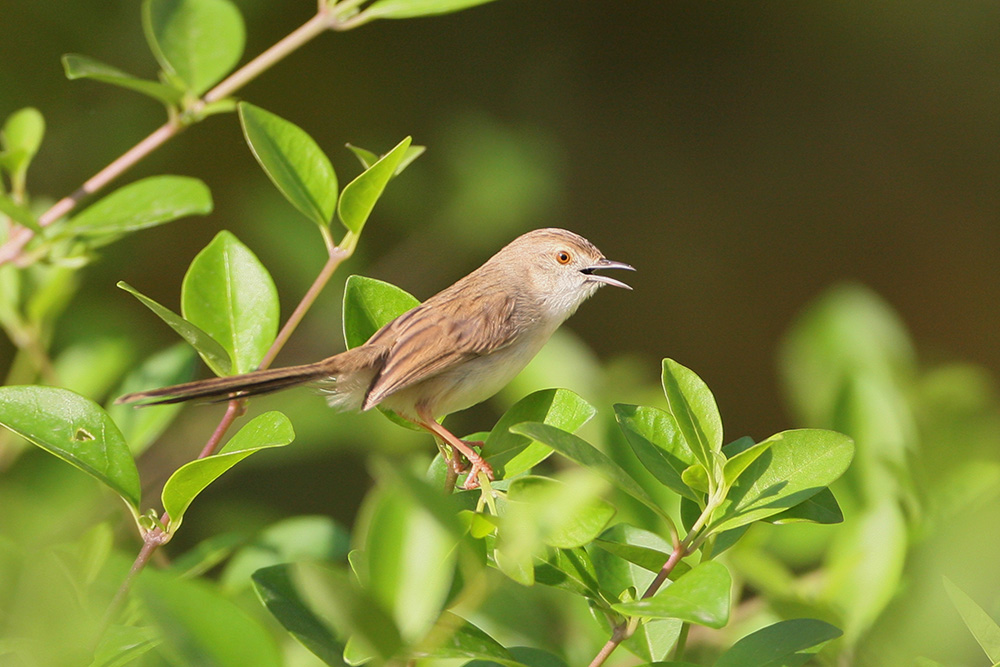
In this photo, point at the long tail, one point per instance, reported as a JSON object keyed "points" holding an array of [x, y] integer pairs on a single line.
{"points": [[236, 386]]}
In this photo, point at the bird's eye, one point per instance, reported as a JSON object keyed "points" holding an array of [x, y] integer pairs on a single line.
{"points": [[563, 257]]}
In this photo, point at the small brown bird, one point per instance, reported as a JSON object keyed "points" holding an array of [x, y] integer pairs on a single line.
{"points": [[451, 352]]}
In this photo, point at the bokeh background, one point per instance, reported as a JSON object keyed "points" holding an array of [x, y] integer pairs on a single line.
{"points": [[744, 157]]}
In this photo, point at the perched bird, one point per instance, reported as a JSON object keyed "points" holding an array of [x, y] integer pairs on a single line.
{"points": [[451, 352]]}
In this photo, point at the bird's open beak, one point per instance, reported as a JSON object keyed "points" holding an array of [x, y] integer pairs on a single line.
{"points": [[606, 264]]}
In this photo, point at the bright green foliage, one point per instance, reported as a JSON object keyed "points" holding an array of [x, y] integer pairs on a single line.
{"points": [[213, 354], [82, 67], [980, 624], [196, 42], [785, 643], [369, 305], [404, 9], [20, 139], [140, 205], [296, 165], [198, 626], [76, 430], [693, 408], [271, 429], [700, 596], [229, 295], [359, 196]]}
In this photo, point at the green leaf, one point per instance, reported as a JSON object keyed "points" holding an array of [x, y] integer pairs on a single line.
{"points": [[776, 644], [210, 350], [200, 627], [369, 305], [19, 214], [122, 644], [654, 639], [585, 454], [21, 136], [335, 596], [76, 430], [821, 508], [146, 203], [693, 408], [229, 294], [642, 547], [271, 429], [275, 589], [566, 515], [82, 67], [409, 559], [359, 196], [658, 444], [196, 42], [463, 640], [739, 462], [526, 656], [701, 596], [316, 538], [367, 158], [570, 570], [404, 9], [293, 161], [142, 427], [797, 465], [696, 477], [980, 624], [511, 454]]}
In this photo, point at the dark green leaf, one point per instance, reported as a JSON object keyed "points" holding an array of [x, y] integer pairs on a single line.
{"points": [[701, 596], [196, 42], [271, 429], [568, 569], [293, 161], [76, 430], [454, 637], [821, 508], [511, 454], [369, 305], [585, 454], [81, 67], [657, 442], [359, 196], [796, 466], [693, 408], [210, 350], [142, 427], [200, 627], [642, 547], [277, 592], [146, 203], [404, 9], [229, 294], [335, 596], [774, 645], [980, 624]]}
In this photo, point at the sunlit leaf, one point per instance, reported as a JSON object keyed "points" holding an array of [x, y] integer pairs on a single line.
{"points": [[82, 67], [404, 9], [980, 624], [693, 408], [76, 430], [196, 42], [657, 442], [370, 304], [821, 508], [20, 137], [701, 596], [293, 161], [566, 515], [140, 205], [359, 196], [122, 644], [367, 158], [463, 640], [229, 294], [271, 429], [210, 350]]}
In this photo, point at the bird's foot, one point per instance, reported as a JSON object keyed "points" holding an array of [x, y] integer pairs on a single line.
{"points": [[476, 464]]}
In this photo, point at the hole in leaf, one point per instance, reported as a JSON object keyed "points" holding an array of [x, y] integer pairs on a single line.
{"points": [[83, 435]]}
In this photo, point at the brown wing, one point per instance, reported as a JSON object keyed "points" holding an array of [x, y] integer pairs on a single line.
{"points": [[435, 336]]}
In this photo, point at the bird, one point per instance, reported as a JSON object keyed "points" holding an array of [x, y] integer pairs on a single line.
{"points": [[454, 350]]}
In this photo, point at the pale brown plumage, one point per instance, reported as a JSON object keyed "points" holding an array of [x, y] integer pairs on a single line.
{"points": [[454, 350]]}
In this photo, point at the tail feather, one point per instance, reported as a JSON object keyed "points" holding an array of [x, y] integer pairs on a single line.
{"points": [[236, 386]]}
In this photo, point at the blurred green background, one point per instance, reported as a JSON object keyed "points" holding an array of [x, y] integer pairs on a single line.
{"points": [[744, 157]]}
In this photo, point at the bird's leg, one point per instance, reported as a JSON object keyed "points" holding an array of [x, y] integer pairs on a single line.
{"points": [[458, 445]]}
